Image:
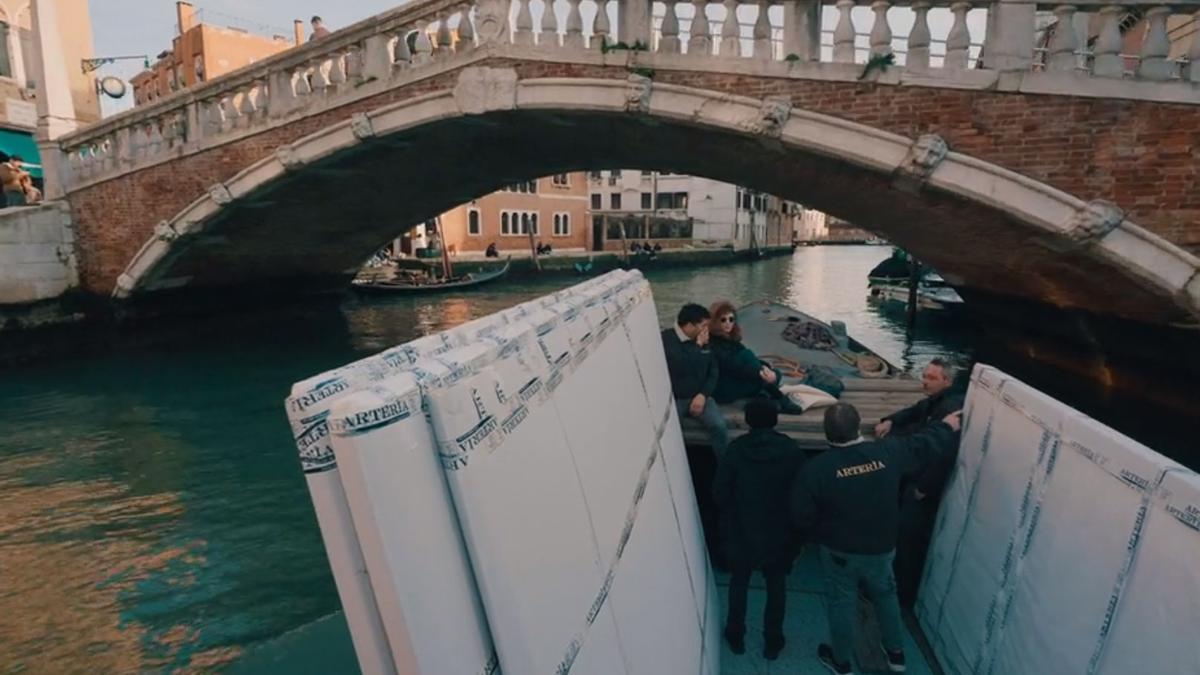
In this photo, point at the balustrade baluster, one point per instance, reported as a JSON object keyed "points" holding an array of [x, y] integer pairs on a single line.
{"points": [[699, 39], [247, 106], [466, 31], [1108, 61], [230, 106], [574, 30], [1157, 46], [337, 69], [762, 33], [881, 32], [75, 165], [958, 42], [524, 32], [1064, 42], [1193, 66], [919, 38], [601, 27], [669, 43], [320, 78], [154, 137], [401, 54], [422, 47], [843, 33], [548, 36], [731, 32], [445, 41]]}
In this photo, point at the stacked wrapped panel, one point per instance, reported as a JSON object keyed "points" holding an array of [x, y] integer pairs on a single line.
{"points": [[1041, 551], [570, 522]]}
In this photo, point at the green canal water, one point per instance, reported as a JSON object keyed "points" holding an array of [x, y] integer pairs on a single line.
{"points": [[153, 516]]}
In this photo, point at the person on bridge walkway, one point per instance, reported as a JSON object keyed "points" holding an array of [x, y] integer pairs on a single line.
{"points": [[318, 29], [845, 500], [920, 497], [751, 493], [742, 373]]}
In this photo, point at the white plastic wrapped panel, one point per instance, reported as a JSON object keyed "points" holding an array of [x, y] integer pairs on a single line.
{"points": [[1095, 500], [1154, 629], [1024, 431], [525, 523], [411, 543]]}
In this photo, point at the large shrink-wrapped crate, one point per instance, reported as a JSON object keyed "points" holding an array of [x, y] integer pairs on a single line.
{"points": [[412, 547], [1154, 623], [1058, 545]]}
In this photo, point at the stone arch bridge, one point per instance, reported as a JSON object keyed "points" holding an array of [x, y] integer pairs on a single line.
{"points": [[1062, 172]]}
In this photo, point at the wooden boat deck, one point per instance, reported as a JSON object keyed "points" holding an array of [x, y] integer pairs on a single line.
{"points": [[873, 398]]}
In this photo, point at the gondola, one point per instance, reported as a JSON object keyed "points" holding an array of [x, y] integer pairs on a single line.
{"points": [[417, 285]]}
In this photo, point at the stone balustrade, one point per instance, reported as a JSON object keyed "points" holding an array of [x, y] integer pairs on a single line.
{"points": [[1021, 35]]}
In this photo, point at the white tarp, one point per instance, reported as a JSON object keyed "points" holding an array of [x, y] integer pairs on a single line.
{"points": [[1041, 542]]}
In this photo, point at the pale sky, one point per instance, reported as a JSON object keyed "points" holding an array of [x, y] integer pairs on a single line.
{"points": [[133, 27]]}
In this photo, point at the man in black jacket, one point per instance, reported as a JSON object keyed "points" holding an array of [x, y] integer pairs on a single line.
{"points": [[846, 498], [751, 492], [920, 497], [693, 372]]}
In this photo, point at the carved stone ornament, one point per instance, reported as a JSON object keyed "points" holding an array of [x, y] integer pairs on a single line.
{"points": [[772, 116], [491, 21], [361, 126], [1094, 220], [480, 90], [924, 157], [637, 93], [287, 156], [220, 194], [164, 232]]}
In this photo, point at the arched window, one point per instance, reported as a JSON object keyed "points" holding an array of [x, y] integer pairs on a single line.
{"points": [[504, 227], [473, 227]]}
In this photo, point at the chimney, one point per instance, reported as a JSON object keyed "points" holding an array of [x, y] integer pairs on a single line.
{"points": [[298, 31], [185, 15]]}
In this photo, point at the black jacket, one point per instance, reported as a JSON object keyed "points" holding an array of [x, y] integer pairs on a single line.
{"points": [[751, 492], [693, 370], [848, 497], [916, 417]]}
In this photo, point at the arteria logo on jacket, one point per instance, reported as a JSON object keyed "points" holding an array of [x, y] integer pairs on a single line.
{"points": [[860, 469]]}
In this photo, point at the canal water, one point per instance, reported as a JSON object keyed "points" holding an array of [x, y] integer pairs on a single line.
{"points": [[153, 516]]}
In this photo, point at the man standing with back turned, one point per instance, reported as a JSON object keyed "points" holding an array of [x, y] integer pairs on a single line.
{"points": [[846, 498]]}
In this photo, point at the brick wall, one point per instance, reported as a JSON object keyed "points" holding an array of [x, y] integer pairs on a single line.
{"points": [[1143, 156]]}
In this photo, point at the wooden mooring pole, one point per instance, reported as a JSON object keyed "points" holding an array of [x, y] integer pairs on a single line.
{"points": [[914, 280]]}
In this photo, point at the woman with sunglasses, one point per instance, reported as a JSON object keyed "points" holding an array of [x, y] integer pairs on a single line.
{"points": [[741, 374]]}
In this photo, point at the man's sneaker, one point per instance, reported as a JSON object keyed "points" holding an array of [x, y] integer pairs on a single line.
{"points": [[825, 655], [772, 648], [737, 643], [895, 659]]}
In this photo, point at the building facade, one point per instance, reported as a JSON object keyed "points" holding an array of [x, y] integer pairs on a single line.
{"points": [[18, 64], [553, 208], [202, 51], [674, 210]]}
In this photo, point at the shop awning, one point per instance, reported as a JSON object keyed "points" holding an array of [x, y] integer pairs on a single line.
{"points": [[23, 144]]}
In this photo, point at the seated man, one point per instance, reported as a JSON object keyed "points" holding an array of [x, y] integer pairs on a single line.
{"points": [[845, 498], [921, 496], [693, 372]]}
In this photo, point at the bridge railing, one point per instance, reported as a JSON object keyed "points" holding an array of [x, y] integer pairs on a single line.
{"points": [[1083, 40]]}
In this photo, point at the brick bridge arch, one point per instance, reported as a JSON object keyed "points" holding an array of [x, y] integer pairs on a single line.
{"points": [[308, 213]]}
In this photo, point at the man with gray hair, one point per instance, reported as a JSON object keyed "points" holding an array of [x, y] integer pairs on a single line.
{"points": [[920, 497], [846, 500]]}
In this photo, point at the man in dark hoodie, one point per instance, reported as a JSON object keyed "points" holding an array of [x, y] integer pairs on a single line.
{"points": [[693, 372], [751, 492], [846, 498]]}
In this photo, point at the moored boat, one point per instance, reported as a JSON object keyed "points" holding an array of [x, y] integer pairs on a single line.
{"points": [[416, 283], [801, 345]]}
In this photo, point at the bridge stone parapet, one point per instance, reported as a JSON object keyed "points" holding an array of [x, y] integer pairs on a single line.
{"points": [[423, 39]]}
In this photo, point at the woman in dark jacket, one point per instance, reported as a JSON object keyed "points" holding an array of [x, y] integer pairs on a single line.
{"points": [[751, 489], [741, 374]]}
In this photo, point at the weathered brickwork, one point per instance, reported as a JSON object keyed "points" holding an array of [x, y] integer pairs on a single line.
{"points": [[1145, 157]]}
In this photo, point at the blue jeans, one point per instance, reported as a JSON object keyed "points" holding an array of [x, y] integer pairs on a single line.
{"points": [[713, 421], [844, 572]]}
